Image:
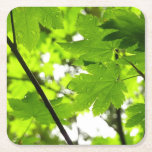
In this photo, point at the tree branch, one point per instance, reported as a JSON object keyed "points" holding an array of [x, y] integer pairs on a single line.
{"points": [[118, 123], [118, 111], [14, 49], [120, 128], [138, 71]]}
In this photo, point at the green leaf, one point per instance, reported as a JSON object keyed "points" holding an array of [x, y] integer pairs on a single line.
{"points": [[30, 140], [30, 106], [130, 26], [26, 23], [70, 18], [50, 17], [138, 60], [104, 79], [135, 57], [87, 25], [92, 50], [100, 87], [26, 26], [106, 141], [136, 115]]}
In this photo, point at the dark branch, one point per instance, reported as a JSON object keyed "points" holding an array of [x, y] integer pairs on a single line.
{"points": [[138, 71], [13, 29], [14, 49], [118, 111], [120, 128]]}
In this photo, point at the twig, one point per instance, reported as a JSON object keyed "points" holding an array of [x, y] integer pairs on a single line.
{"points": [[138, 71], [14, 49], [130, 77]]}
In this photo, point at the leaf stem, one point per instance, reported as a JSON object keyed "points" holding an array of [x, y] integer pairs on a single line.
{"points": [[130, 77], [14, 49], [138, 71]]}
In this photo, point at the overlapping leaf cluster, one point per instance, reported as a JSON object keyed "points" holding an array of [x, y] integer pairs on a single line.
{"points": [[112, 41], [104, 84]]}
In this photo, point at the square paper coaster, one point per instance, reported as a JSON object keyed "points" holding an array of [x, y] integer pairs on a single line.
{"points": [[87, 57], [75, 75]]}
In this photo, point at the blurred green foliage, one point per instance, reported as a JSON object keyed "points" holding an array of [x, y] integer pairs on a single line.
{"points": [[72, 53]]}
